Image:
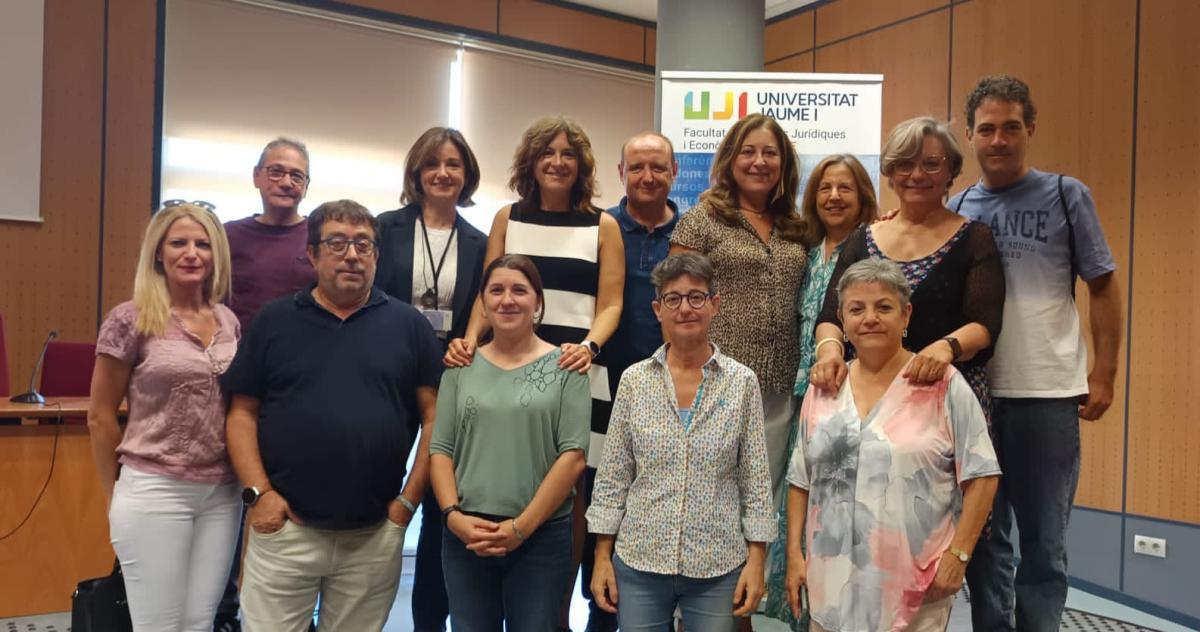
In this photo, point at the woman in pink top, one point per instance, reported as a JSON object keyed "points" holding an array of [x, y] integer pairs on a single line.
{"points": [[891, 481], [174, 511]]}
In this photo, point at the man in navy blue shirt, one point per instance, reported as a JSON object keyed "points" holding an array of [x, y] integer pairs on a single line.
{"points": [[327, 386], [646, 217]]}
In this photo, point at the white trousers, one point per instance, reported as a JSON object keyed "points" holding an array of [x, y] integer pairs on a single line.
{"points": [[356, 572], [175, 540]]}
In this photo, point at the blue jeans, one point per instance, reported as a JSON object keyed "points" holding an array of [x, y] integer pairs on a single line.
{"points": [[522, 589], [647, 601], [1037, 442]]}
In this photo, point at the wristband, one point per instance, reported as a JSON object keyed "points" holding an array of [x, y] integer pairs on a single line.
{"points": [[449, 510], [516, 531], [407, 503]]}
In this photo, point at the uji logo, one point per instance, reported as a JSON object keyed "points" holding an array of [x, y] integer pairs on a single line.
{"points": [[691, 113]]}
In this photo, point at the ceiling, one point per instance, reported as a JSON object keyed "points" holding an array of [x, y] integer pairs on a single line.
{"points": [[648, 9]]}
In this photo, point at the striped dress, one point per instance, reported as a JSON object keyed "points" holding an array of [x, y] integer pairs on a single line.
{"points": [[565, 247]]}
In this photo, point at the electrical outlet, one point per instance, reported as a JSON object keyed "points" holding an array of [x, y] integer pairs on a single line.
{"points": [[1154, 547]]}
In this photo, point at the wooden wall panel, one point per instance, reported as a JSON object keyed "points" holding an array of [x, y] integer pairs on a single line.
{"points": [[788, 37], [796, 63], [1164, 452], [844, 18], [912, 85], [559, 26], [651, 46], [129, 152], [479, 15], [1084, 129], [48, 277]]}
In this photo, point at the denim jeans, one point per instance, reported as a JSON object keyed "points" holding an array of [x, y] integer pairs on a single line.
{"points": [[522, 589], [429, 605], [647, 601], [1037, 442]]}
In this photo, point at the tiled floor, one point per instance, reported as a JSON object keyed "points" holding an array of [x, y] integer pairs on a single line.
{"points": [[1086, 613]]}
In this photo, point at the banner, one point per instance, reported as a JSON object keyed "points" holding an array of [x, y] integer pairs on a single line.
{"points": [[822, 113]]}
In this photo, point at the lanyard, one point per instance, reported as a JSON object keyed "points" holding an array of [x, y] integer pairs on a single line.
{"points": [[429, 300]]}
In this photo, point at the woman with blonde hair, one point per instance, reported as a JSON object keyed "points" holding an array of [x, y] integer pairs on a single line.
{"points": [[579, 251], [174, 508], [747, 225]]}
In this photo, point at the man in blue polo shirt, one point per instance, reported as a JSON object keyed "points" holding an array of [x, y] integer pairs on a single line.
{"points": [[1048, 233], [326, 386], [646, 217]]}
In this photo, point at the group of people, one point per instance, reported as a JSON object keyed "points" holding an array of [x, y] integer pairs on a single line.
{"points": [[778, 393]]}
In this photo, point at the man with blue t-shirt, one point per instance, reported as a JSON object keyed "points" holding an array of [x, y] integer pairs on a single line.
{"points": [[1048, 233]]}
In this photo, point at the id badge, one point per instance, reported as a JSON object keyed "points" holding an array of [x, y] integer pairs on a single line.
{"points": [[441, 319]]}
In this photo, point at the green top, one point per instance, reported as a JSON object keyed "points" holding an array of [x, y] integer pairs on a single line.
{"points": [[505, 428]]}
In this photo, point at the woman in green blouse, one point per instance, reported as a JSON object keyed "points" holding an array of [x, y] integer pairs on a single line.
{"points": [[509, 442]]}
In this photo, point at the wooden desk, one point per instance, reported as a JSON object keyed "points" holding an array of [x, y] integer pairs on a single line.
{"points": [[66, 537], [55, 409]]}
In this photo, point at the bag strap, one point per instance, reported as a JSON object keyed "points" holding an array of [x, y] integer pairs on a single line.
{"points": [[1062, 199], [963, 198]]}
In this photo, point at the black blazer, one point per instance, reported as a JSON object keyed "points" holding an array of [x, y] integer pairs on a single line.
{"points": [[394, 274]]}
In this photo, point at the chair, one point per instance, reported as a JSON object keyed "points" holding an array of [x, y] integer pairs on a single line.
{"points": [[67, 371]]}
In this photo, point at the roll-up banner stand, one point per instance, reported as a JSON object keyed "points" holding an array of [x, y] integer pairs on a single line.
{"points": [[823, 113]]}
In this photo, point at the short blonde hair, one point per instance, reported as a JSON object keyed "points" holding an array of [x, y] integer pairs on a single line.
{"points": [[150, 293], [904, 143]]}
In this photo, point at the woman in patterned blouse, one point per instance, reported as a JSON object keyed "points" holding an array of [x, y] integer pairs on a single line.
{"points": [[683, 487], [891, 481], [173, 511], [838, 198], [746, 223]]}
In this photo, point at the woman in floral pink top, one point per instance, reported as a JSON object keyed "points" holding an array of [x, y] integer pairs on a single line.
{"points": [[891, 481], [174, 511]]}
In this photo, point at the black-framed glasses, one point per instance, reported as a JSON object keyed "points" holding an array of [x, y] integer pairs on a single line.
{"points": [[695, 299], [340, 245], [275, 173], [932, 165], [208, 206]]}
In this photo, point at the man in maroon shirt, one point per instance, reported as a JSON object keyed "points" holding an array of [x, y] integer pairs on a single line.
{"points": [[269, 261], [268, 248]]}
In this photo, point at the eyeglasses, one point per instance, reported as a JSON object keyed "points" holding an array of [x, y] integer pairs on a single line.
{"points": [[695, 299], [340, 245], [932, 165], [208, 206], [275, 174]]}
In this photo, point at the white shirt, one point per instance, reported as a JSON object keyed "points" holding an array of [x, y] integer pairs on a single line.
{"points": [[423, 269]]}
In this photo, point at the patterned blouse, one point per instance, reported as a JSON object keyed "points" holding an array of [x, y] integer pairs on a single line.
{"points": [[176, 407], [758, 283], [684, 500], [812, 296], [884, 495]]}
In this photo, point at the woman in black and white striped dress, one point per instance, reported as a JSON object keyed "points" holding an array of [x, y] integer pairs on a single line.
{"points": [[579, 253]]}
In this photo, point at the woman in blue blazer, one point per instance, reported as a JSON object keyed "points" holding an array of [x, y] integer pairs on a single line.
{"points": [[431, 257]]}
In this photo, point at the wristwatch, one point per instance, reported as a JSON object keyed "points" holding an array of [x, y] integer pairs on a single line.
{"points": [[955, 346], [250, 495], [961, 555], [592, 347]]}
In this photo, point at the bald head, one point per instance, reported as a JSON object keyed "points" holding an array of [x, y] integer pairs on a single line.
{"points": [[648, 140], [648, 170]]}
